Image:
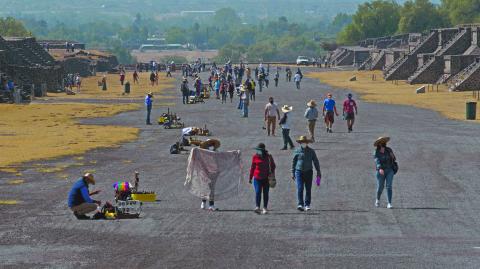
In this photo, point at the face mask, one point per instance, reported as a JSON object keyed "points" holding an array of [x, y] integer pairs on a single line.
{"points": [[259, 152]]}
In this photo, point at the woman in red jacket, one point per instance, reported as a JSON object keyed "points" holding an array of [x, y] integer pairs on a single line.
{"points": [[262, 165]]}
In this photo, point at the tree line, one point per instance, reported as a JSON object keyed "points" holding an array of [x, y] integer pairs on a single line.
{"points": [[385, 17]]}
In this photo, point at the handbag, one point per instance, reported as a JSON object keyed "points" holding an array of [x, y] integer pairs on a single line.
{"points": [[394, 162], [272, 181]]}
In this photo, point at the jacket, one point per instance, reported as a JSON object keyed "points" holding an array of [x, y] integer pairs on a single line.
{"points": [[384, 160], [79, 194], [260, 166], [303, 159], [311, 113]]}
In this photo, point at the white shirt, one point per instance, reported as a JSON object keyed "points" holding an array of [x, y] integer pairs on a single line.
{"points": [[297, 77], [286, 125], [271, 109]]}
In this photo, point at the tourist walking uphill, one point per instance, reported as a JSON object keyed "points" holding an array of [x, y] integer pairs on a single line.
{"points": [[386, 168], [271, 113], [349, 111], [329, 109], [311, 114], [297, 78], [148, 104], [262, 166], [302, 170], [285, 122]]}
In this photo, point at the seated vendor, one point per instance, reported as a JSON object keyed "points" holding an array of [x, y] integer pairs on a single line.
{"points": [[79, 200]]}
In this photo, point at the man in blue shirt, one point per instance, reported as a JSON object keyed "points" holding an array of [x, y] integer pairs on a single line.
{"points": [[304, 160], [79, 200], [148, 104], [328, 109]]}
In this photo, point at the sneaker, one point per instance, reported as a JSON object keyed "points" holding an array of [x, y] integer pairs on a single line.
{"points": [[212, 208], [264, 211], [389, 206], [203, 205], [377, 203], [307, 208], [300, 208], [283, 149], [257, 210]]}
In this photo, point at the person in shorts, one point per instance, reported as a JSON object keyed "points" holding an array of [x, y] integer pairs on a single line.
{"points": [[329, 109], [349, 111]]}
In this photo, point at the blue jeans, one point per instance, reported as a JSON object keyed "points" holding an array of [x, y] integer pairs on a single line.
{"points": [[286, 138], [388, 178], [149, 111], [245, 110], [261, 186], [185, 98], [304, 181], [240, 104]]}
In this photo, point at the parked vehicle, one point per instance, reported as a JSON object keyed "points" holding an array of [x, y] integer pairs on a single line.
{"points": [[303, 60]]}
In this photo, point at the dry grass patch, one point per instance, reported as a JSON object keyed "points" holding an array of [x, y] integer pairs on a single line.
{"points": [[91, 90], [42, 131], [449, 104], [8, 202]]}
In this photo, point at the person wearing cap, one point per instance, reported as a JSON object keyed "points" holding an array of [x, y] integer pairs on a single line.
{"points": [[262, 166], [148, 104], [79, 200], [328, 109], [311, 114], [384, 161], [185, 90], [349, 111], [304, 160], [271, 113], [285, 124]]}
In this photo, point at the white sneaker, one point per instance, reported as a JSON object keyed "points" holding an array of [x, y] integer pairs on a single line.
{"points": [[300, 208], [264, 211], [211, 208], [389, 206], [257, 210], [307, 208], [377, 203], [203, 205]]}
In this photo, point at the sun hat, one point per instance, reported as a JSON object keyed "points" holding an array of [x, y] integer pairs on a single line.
{"points": [[311, 103], [89, 178], [303, 139], [260, 146], [287, 108], [242, 88], [150, 93], [381, 140]]}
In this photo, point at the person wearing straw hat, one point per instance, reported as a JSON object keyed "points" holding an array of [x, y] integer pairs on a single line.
{"points": [[262, 166], [148, 104], [328, 109], [384, 162], [285, 124], [79, 200], [304, 160], [311, 114]]}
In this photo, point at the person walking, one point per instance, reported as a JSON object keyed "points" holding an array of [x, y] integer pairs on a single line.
{"points": [[329, 109], [148, 104], [262, 166], [245, 101], [285, 124], [185, 91], [276, 78], [231, 90], [385, 162], [302, 170], [297, 78], [104, 83], [349, 111], [251, 89], [271, 113], [135, 77], [311, 114]]}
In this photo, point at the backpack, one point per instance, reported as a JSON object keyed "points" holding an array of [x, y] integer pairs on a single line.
{"points": [[174, 149]]}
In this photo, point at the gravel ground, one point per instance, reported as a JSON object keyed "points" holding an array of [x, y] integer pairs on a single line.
{"points": [[434, 223]]}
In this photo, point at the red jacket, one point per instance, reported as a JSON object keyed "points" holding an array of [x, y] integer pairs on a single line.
{"points": [[260, 167]]}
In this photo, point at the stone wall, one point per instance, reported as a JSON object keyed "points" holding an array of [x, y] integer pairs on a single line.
{"points": [[456, 63]]}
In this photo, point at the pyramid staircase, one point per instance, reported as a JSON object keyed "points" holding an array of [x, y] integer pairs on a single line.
{"points": [[467, 79]]}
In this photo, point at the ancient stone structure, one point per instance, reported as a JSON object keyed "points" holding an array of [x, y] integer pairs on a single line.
{"points": [[30, 66], [61, 44], [86, 63]]}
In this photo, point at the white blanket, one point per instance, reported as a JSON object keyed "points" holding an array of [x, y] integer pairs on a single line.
{"points": [[214, 175]]}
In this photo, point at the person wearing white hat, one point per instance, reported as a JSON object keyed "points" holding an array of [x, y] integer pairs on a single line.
{"points": [[245, 101], [385, 162], [79, 200], [285, 124], [311, 114]]}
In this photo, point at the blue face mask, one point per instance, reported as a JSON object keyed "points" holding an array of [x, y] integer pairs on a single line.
{"points": [[259, 152]]}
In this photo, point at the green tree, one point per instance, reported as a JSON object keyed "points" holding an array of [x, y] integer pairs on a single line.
{"points": [[413, 17], [462, 11], [176, 35], [225, 18], [372, 19], [12, 27]]}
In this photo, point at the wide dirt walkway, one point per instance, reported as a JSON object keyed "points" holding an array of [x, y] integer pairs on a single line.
{"points": [[435, 222]]}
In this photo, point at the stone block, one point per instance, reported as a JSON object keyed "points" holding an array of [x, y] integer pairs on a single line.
{"points": [[354, 78], [421, 90]]}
